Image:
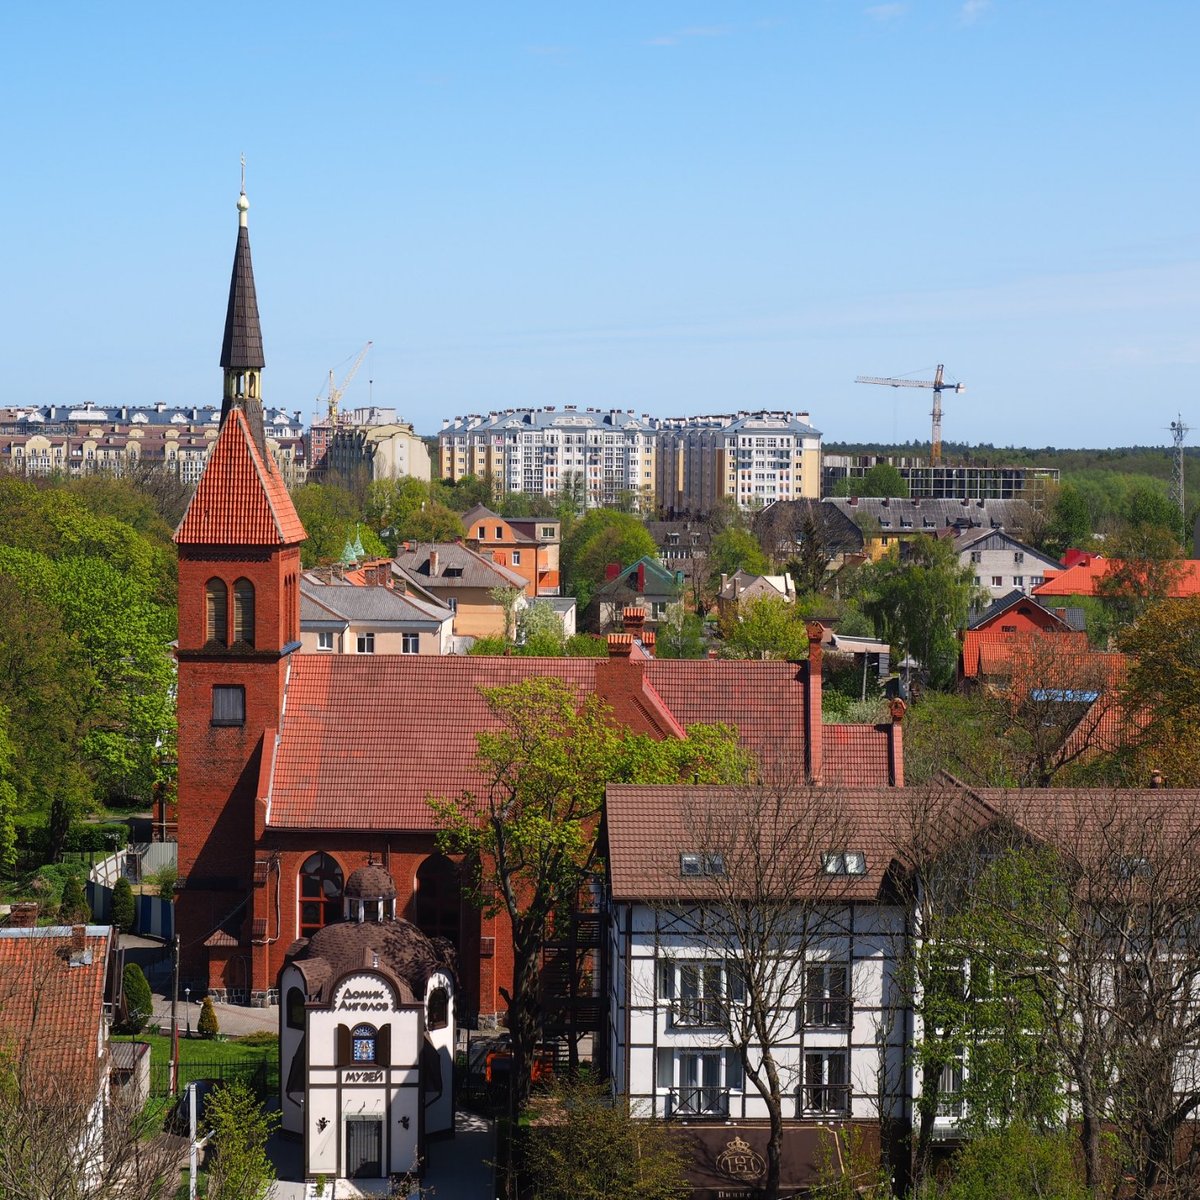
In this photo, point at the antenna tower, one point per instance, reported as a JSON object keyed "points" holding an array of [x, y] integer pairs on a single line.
{"points": [[1179, 431]]}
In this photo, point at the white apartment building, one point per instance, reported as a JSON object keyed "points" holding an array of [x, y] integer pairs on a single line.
{"points": [[676, 466], [595, 455]]}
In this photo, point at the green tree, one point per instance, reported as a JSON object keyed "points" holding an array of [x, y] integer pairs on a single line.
{"points": [[208, 1026], [1146, 566], [736, 550], [74, 905], [328, 513], [1147, 504], [506, 598], [137, 1001], [241, 1168], [1069, 525], [919, 601], [122, 905], [880, 480], [601, 537], [680, 634], [588, 1148], [766, 628], [531, 835], [540, 631]]}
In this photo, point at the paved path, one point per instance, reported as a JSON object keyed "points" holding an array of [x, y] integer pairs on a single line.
{"points": [[459, 1167]]}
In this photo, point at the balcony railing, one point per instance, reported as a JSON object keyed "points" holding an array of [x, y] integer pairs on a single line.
{"points": [[703, 1101], [832, 1099], [829, 1011], [692, 1011]]}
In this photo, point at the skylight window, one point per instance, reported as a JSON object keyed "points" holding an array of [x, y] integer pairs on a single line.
{"points": [[844, 862], [696, 865]]}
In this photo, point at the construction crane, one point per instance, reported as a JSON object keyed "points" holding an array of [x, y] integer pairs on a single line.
{"points": [[935, 450], [336, 393]]}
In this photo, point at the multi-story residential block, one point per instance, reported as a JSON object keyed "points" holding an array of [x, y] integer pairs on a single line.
{"points": [[597, 457], [944, 481], [527, 545], [55, 440], [752, 459], [371, 441]]}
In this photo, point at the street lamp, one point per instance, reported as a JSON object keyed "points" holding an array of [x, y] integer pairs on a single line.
{"points": [[187, 999]]}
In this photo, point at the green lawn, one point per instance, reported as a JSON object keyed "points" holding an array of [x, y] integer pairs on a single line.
{"points": [[250, 1050]]}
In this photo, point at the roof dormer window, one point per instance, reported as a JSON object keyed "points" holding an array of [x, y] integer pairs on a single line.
{"points": [[844, 862]]}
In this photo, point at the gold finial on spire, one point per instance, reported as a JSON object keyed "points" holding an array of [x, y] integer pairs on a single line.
{"points": [[243, 204]]}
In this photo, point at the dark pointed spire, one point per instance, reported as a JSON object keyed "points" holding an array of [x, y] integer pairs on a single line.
{"points": [[242, 349]]}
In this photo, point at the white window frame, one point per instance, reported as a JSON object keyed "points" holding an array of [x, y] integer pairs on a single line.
{"points": [[325, 641], [410, 643], [365, 643]]}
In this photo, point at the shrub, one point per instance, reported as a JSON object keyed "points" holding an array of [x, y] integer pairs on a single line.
{"points": [[207, 1026], [241, 1168], [74, 906], [163, 882], [137, 1000], [122, 905], [1014, 1164]]}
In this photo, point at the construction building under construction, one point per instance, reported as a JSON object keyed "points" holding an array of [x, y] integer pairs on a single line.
{"points": [[944, 481]]}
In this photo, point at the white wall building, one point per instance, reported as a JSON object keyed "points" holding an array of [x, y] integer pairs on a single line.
{"points": [[367, 1036], [1001, 564]]}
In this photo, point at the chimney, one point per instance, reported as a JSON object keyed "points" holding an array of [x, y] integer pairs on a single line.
{"points": [[620, 645], [78, 939], [634, 620], [24, 915], [1156, 781], [812, 702], [896, 709], [433, 564], [611, 572]]}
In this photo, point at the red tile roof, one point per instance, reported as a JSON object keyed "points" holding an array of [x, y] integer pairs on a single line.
{"points": [[1082, 579], [241, 500], [367, 739], [991, 651], [52, 1013]]}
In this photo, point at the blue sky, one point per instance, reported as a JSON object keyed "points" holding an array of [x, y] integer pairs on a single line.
{"points": [[671, 207]]}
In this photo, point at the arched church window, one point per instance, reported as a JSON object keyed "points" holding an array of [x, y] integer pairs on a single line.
{"points": [[243, 612], [437, 902], [295, 1008], [320, 893], [437, 1014], [216, 611]]}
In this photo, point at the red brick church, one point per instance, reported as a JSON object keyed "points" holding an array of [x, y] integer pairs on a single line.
{"points": [[296, 769]]}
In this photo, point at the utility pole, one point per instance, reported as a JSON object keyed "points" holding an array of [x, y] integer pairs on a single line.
{"points": [[1178, 432], [175, 1022]]}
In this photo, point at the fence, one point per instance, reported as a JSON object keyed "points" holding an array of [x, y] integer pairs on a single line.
{"points": [[152, 916], [262, 1076]]}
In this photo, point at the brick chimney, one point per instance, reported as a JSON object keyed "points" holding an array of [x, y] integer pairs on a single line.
{"points": [[620, 645], [78, 939], [23, 915], [1156, 781], [812, 702], [896, 709], [611, 571], [633, 620], [433, 564]]}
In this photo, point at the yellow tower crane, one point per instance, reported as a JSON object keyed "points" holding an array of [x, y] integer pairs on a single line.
{"points": [[935, 450], [336, 393]]}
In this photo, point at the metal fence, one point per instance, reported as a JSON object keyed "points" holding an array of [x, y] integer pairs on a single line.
{"points": [[262, 1076]]}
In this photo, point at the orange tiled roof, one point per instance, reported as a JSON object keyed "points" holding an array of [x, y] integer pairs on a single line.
{"points": [[241, 499], [1081, 579], [990, 651], [52, 1013]]}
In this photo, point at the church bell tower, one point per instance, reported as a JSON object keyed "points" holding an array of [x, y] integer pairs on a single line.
{"points": [[239, 623]]}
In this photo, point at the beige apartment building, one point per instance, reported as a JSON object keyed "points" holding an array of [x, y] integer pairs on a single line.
{"points": [[753, 459], [372, 440]]}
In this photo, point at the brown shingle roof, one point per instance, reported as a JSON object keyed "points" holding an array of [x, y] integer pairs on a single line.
{"points": [[242, 344]]}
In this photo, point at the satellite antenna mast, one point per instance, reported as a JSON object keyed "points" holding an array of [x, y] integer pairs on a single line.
{"points": [[1179, 431]]}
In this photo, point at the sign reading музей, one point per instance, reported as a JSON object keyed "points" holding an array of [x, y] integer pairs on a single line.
{"points": [[727, 1162]]}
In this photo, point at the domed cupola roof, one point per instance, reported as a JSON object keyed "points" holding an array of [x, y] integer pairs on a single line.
{"points": [[371, 882]]}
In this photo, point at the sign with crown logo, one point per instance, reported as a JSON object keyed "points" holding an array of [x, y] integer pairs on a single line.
{"points": [[739, 1160]]}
